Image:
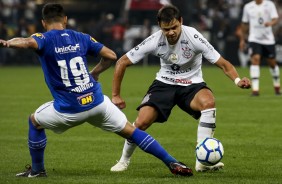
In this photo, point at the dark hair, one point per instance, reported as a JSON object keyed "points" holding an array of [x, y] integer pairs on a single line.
{"points": [[167, 13], [53, 12]]}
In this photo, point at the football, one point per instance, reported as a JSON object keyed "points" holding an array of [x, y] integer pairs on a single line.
{"points": [[209, 151]]}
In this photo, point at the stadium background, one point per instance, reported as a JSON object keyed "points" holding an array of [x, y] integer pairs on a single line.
{"points": [[121, 24]]}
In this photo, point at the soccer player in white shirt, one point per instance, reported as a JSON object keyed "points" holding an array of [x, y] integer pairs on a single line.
{"points": [[259, 16], [178, 82]]}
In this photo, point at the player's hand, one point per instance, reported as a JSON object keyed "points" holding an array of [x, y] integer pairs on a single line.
{"points": [[267, 24], [244, 83], [119, 102], [4, 43]]}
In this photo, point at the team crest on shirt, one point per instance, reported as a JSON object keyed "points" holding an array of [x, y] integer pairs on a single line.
{"points": [[38, 35], [86, 99], [173, 58]]}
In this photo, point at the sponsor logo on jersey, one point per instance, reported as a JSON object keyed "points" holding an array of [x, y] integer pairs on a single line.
{"points": [[160, 55], [85, 99], [182, 81], [203, 41], [175, 72], [65, 34], [38, 35], [184, 42], [146, 40], [175, 67], [160, 44], [82, 88], [67, 49]]}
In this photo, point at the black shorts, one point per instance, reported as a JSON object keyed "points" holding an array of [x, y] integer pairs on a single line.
{"points": [[267, 51], [163, 97]]}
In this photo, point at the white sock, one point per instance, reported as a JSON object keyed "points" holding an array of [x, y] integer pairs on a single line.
{"points": [[206, 125], [275, 73], [128, 149], [255, 74]]}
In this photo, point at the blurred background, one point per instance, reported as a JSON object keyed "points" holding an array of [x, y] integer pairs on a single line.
{"points": [[121, 24]]}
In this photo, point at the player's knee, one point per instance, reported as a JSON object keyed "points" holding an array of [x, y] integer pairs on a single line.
{"points": [[208, 104], [34, 122], [142, 124]]}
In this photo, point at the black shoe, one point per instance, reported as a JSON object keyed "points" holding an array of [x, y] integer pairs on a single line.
{"points": [[30, 173], [277, 91], [181, 169], [255, 93]]}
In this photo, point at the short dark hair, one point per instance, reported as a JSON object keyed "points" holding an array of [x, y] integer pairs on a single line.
{"points": [[53, 12], [167, 13]]}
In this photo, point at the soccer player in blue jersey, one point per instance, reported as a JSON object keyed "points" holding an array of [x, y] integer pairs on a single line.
{"points": [[78, 97]]}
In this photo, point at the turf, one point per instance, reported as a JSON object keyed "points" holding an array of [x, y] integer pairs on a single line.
{"points": [[248, 127]]}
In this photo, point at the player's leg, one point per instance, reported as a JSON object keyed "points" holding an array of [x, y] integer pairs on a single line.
{"points": [[48, 118], [148, 144], [108, 117], [155, 107], [256, 54], [146, 116], [204, 102], [255, 73], [37, 141], [273, 67]]}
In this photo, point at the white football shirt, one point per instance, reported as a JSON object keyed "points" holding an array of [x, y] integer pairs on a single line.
{"points": [[180, 63], [257, 15]]}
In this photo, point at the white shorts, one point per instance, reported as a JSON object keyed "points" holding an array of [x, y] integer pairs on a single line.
{"points": [[105, 116]]}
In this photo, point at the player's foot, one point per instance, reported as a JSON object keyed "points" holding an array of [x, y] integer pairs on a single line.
{"points": [[255, 93], [30, 173], [277, 90], [120, 166], [181, 169], [202, 168]]}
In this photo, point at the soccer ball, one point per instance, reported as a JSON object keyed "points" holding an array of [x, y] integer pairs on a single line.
{"points": [[209, 151]]}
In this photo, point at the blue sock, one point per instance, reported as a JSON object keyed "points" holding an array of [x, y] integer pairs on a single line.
{"points": [[148, 144], [37, 142]]}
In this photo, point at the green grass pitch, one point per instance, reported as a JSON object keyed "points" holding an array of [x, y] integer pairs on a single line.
{"points": [[249, 128]]}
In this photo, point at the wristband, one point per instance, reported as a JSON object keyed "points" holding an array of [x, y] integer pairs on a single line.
{"points": [[237, 80]]}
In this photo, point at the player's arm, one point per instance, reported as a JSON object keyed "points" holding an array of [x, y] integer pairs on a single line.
{"points": [[273, 22], [22, 43], [120, 68], [232, 73], [107, 58]]}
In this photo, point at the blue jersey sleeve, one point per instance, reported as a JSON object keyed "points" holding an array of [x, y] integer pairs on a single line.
{"points": [[94, 46], [40, 39]]}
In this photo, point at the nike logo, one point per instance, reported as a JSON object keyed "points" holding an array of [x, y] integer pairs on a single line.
{"points": [[160, 55]]}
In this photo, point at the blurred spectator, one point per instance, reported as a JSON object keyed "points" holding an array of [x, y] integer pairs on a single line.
{"points": [[243, 55], [130, 34], [3, 51], [9, 11], [118, 30]]}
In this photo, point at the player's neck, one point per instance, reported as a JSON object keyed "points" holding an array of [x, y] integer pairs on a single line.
{"points": [[259, 1], [56, 26]]}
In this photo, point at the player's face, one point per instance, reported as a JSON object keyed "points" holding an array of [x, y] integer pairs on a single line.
{"points": [[172, 30]]}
